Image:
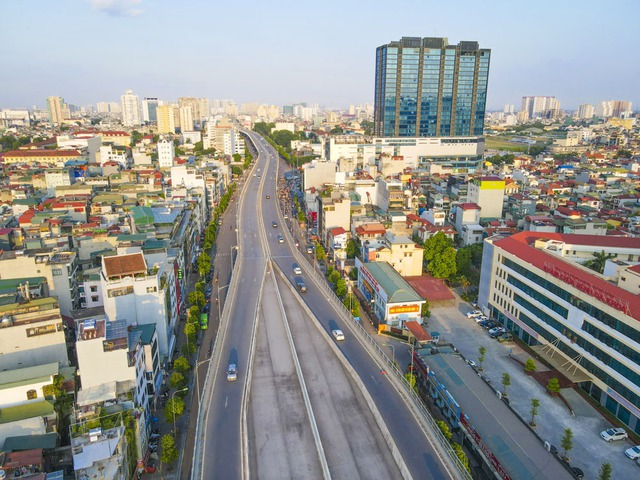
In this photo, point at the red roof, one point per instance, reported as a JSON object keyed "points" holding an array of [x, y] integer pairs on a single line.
{"points": [[417, 331], [337, 231], [124, 265], [521, 245], [429, 288], [469, 206], [42, 153]]}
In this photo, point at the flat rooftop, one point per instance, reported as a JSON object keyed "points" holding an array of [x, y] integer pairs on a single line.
{"points": [[519, 451]]}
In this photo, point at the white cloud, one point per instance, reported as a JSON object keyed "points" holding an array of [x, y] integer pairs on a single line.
{"points": [[118, 8]]}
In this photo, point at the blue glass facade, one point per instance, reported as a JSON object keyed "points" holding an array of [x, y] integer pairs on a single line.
{"points": [[427, 88]]}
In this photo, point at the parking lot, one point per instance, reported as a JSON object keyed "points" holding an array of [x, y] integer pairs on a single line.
{"points": [[589, 450]]}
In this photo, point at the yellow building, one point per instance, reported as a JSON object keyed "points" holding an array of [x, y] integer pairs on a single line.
{"points": [[401, 253], [166, 119], [58, 110], [56, 158]]}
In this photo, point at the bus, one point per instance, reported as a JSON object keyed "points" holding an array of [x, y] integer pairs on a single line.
{"points": [[204, 321]]}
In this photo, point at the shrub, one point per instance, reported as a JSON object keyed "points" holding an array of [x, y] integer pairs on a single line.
{"points": [[530, 366], [553, 386]]}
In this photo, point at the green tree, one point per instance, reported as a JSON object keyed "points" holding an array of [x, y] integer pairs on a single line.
{"points": [[436, 245], [301, 217], [599, 260], [341, 288], [482, 351], [352, 248], [411, 379], [605, 471], [336, 130], [553, 385], [237, 157], [188, 349], [567, 441], [136, 137], [506, 381], [463, 261], [424, 310], [284, 138], [457, 448], [197, 298], [444, 428], [204, 263], [170, 452], [535, 403], [351, 302], [320, 254], [263, 128], [443, 265], [464, 282], [334, 275], [353, 274], [177, 381], [530, 365], [181, 364], [175, 405]]}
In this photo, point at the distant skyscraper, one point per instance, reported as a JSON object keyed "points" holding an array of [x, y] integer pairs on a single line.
{"points": [[149, 107], [586, 111], [186, 119], [614, 108], [541, 107], [130, 109], [428, 88], [166, 119], [58, 110]]}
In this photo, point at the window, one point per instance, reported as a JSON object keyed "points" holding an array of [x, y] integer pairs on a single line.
{"points": [[152, 289], [95, 298], [94, 288], [56, 272], [32, 394], [119, 292]]}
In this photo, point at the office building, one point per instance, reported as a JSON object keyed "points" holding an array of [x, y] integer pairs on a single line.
{"points": [[130, 109], [541, 107], [58, 110], [186, 118], [425, 87], [149, 107], [586, 325]]}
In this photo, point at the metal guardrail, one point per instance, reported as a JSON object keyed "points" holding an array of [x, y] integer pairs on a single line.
{"points": [[448, 456]]}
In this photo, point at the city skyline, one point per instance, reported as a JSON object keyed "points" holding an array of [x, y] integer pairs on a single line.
{"points": [[286, 53]]}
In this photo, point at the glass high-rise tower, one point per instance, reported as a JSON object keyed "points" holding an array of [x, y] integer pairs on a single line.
{"points": [[428, 88]]}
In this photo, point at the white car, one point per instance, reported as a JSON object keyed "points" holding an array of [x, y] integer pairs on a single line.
{"points": [[297, 270], [474, 314], [232, 373], [337, 334], [481, 318], [497, 330], [614, 434], [633, 452]]}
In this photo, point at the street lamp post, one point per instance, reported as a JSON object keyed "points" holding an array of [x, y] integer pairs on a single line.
{"points": [[393, 351], [198, 380], [173, 407]]}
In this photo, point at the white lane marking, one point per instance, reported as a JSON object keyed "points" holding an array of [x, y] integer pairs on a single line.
{"points": [[226, 399]]}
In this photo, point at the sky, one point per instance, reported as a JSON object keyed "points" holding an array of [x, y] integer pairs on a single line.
{"points": [[283, 52]]}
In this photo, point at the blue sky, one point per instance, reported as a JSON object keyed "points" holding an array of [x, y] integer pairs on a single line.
{"points": [[282, 52]]}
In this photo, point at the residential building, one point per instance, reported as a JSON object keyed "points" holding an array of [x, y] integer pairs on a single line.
{"points": [[586, 111], [58, 110], [318, 173], [152, 371], [584, 324], [166, 152], [186, 118], [488, 193], [399, 251], [59, 268], [425, 87], [109, 351], [90, 288], [101, 454], [115, 153], [25, 385], [130, 109], [54, 158], [334, 212], [541, 107], [614, 108], [390, 195], [467, 221], [134, 293], [166, 119], [32, 334]]}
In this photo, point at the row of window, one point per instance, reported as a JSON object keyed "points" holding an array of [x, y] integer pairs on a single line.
{"points": [[588, 308]]}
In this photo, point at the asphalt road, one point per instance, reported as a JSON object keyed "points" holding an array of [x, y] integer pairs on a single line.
{"points": [[340, 410], [222, 446]]}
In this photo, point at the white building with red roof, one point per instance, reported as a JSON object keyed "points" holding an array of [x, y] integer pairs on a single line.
{"points": [[585, 324]]}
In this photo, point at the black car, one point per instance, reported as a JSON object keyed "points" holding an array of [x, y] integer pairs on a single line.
{"points": [[484, 323], [579, 474], [274, 224], [207, 307]]}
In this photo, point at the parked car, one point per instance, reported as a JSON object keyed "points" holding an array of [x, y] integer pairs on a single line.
{"points": [[578, 473], [633, 452], [474, 314], [483, 323], [309, 248], [613, 434], [337, 334], [505, 337], [495, 331]]}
